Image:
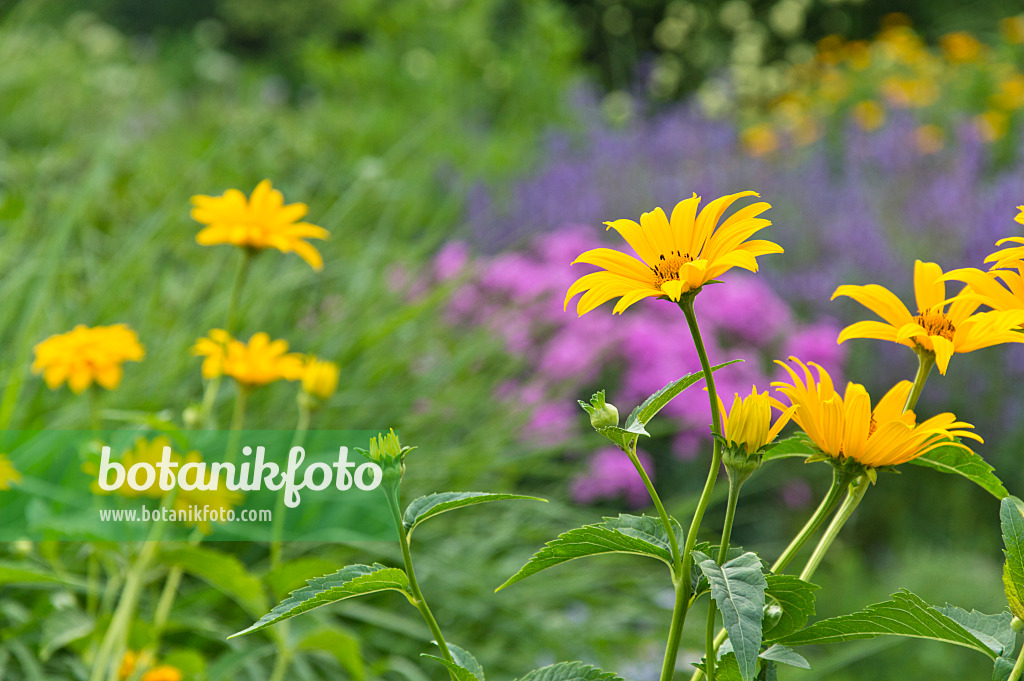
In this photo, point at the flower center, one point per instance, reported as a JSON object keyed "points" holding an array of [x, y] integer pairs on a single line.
{"points": [[936, 324], [667, 269]]}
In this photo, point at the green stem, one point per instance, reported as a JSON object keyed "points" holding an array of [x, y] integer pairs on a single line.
{"points": [[677, 561], [95, 420], [854, 495], [277, 529], [238, 417], [682, 577], [417, 596], [839, 482], [723, 551], [1018, 668], [213, 385], [925, 362]]}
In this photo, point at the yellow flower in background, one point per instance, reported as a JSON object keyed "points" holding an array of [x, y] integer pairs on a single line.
{"points": [[9, 475], [992, 125], [869, 115], [960, 47], [846, 427], [858, 55], [934, 328], [1011, 93], [676, 255], [1012, 29], [929, 139], [128, 662], [319, 377], [164, 672], [259, 362], [86, 355], [143, 451], [262, 221], [748, 423], [759, 140]]}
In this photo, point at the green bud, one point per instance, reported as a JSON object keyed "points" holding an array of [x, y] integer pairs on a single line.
{"points": [[1017, 624], [388, 452], [772, 615], [738, 463], [602, 414]]}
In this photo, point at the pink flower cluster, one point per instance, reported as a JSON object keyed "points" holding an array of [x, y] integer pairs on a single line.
{"points": [[518, 295]]}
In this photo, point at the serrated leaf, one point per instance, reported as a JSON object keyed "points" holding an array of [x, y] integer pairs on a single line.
{"points": [[768, 672], [222, 571], [785, 655], [992, 630], [352, 580], [797, 446], [61, 628], [639, 535], [1002, 669], [964, 462], [570, 671], [738, 588], [1011, 518], [463, 665], [795, 597], [726, 669], [425, 507], [652, 405], [905, 615]]}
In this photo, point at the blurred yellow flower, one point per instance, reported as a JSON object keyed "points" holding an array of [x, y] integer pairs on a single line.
{"points": [[259, 362], [128, 662], [1011, 93], [748, 423], [858, 55], [992, 125], [829, 49], [84, 355], [1012, 29], [9, 475], [960, 47], [262, 221], [164, 672], [143, 451], [934, 328], [760, 139], [846, 427], [319, 377], [869, 115], [676, 255], [929, 138]]}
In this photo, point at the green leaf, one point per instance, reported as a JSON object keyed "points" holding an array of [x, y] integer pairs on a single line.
{"points": [[738, 588], [642, 415], [463, 665], [639, 535], [785, 655], [1011, 517], [905, 615], [768, 672], [570, 671], [964, 462], [992, 630], [1003, 667], [222, 571], [25, 573], [431, 505], [726, 669], [798, 446], [796, 598], [352, 580], [61, 628]]}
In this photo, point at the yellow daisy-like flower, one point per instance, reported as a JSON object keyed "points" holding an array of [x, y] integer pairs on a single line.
{"points": [[676, 255], [846, 427], [987, 289], [259, 362], [1009, 257], [9, 475], [164, 672], [935, 328], [262, 221], [319, 377], [85, 355], [749, 421]]}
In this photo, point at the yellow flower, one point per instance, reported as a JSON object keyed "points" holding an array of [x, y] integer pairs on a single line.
{"points": [[1011, 92], [164, 672], [319, 377], [749, 421], [143, 451], [987, 289], [929, 138], [262, 221], [1020, 216], [128, 662], [960, 47], [934, 328], [1013, 255], [759, 140], [846, 427], [992, 125], [676, 256], [1012, 29], [8, 473], [260, 362], [869, 115], [84, 355]]}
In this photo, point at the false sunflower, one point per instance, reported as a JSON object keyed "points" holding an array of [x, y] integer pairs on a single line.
{"points": [[86, 355], [935, 328], [748, 424], [9, 475], [676, 255], [319, 377], [847, 428], [259, 362], [987, 288], [1012, 255], [259, 222]]}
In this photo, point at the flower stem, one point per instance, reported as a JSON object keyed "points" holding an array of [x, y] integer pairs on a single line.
{"points": [[1018, 668], [682, 577], [723, 552], [673, 544], [855, 493], [925, 362], [839, 482], [417, 596]]}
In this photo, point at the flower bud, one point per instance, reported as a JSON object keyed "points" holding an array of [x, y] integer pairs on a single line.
{"points": [[602, 414], [739, 464], [772, 615], [1017, 624], [388, 452]]}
